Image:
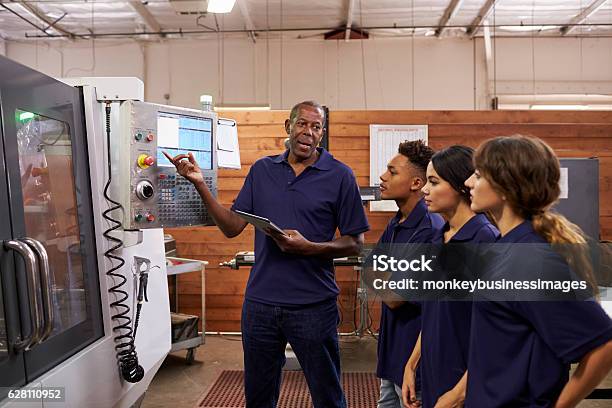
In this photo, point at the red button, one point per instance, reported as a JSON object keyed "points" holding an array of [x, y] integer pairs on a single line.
{"points": [[150, 137], [162, 176], [149, 161], [150, 217]]}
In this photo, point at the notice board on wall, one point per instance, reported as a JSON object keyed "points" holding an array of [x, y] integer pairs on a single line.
{"points": [[384, 142], [579, 198]]}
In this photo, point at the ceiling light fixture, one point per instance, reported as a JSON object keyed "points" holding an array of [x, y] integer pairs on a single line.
{"points": [[220, 6], [559, 107], [528, 28]]}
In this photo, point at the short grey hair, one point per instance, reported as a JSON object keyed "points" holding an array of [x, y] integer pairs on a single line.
{"points": [[296, 109]]}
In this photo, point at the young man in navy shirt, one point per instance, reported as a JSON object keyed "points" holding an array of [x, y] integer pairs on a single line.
{"points": [[291, 292], [400, 322]]}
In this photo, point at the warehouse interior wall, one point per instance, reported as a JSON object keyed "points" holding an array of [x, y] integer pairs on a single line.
{"points": [[378, 73]]}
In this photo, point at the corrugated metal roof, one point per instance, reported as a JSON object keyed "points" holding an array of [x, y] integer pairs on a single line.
{"points": [[379, 17]]}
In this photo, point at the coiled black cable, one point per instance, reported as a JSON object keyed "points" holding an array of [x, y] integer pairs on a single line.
{"points": [[127, 358]]}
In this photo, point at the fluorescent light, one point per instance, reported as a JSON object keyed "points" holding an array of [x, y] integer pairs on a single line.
{"points": [[559, 107], [243, 107], [555, 99], [523, 28], [220, 6], [599, 107], [513, 106]]}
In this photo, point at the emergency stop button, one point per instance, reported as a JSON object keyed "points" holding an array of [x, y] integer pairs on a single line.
{"points": [[145, 161]]}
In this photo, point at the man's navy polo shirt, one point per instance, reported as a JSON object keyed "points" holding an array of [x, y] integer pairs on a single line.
{"points": [[323, 198], [520, 352], [400, 327]]}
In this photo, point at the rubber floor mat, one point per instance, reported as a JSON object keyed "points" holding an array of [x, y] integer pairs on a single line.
{"points": [[361, 390]]}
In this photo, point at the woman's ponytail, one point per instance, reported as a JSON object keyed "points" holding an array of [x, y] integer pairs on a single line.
{"points": [[568, 240], [526, 171]]}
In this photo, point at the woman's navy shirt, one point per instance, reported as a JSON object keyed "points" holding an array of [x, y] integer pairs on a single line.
{"points": [[520, 352], [445, 329]]}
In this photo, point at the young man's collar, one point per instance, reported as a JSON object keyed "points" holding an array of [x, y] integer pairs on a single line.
{"points": [[415, 216]]}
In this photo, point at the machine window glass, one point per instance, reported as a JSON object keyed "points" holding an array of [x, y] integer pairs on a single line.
{"points": [[50, 210]]}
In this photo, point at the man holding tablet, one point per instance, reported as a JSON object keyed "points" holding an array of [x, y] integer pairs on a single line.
{"points": [[291, 293]]}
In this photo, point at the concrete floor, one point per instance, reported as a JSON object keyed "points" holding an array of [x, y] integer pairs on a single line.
{"points": [[180, 385]]}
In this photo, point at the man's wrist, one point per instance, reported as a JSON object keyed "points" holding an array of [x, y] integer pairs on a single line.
{"points": [[312, 249], [198, 183]]}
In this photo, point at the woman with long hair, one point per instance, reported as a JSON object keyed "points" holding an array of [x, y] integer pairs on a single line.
{"points": [[521, 351], [442, 347]]}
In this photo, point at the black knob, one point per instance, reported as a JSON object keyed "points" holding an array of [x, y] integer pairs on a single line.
{"points": [[147, 191]]}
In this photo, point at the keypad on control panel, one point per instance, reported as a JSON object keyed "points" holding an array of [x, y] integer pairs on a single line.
{"points": [[179, 202]]}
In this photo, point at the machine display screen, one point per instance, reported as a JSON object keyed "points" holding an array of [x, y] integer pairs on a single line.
{"points": [[178, 134]]}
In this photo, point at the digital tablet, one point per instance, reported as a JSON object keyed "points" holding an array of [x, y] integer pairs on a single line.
{"points": [[261, 223]]}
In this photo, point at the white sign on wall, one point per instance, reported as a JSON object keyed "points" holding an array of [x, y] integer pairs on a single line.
{"points": [[384, 142], [564, 183], [228, 150]]}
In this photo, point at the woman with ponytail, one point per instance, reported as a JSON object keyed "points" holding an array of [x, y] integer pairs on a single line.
{"points": [[521, 351]]}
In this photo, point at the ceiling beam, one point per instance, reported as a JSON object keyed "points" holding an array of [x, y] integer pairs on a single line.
{"points": [[489, 61], [580, 18], [246, 15], [349, 20], [451, 10], [146, 15], [482, 14], [39, 14]]}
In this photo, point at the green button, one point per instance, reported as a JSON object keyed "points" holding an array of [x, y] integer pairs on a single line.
{"points": [[138, 136], [139, 218]]}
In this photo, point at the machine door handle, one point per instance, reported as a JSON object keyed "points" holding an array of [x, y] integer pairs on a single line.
{"points": [[46, 286], [32, 280]]}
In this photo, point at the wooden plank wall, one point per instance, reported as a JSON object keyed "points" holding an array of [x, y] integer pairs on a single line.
{"points": [[571, 134]]}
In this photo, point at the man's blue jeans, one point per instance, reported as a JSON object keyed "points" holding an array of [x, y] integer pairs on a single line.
{"points": [[311, 331]]}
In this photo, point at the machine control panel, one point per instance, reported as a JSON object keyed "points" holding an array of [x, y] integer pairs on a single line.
{"points": [[152, 193]]}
